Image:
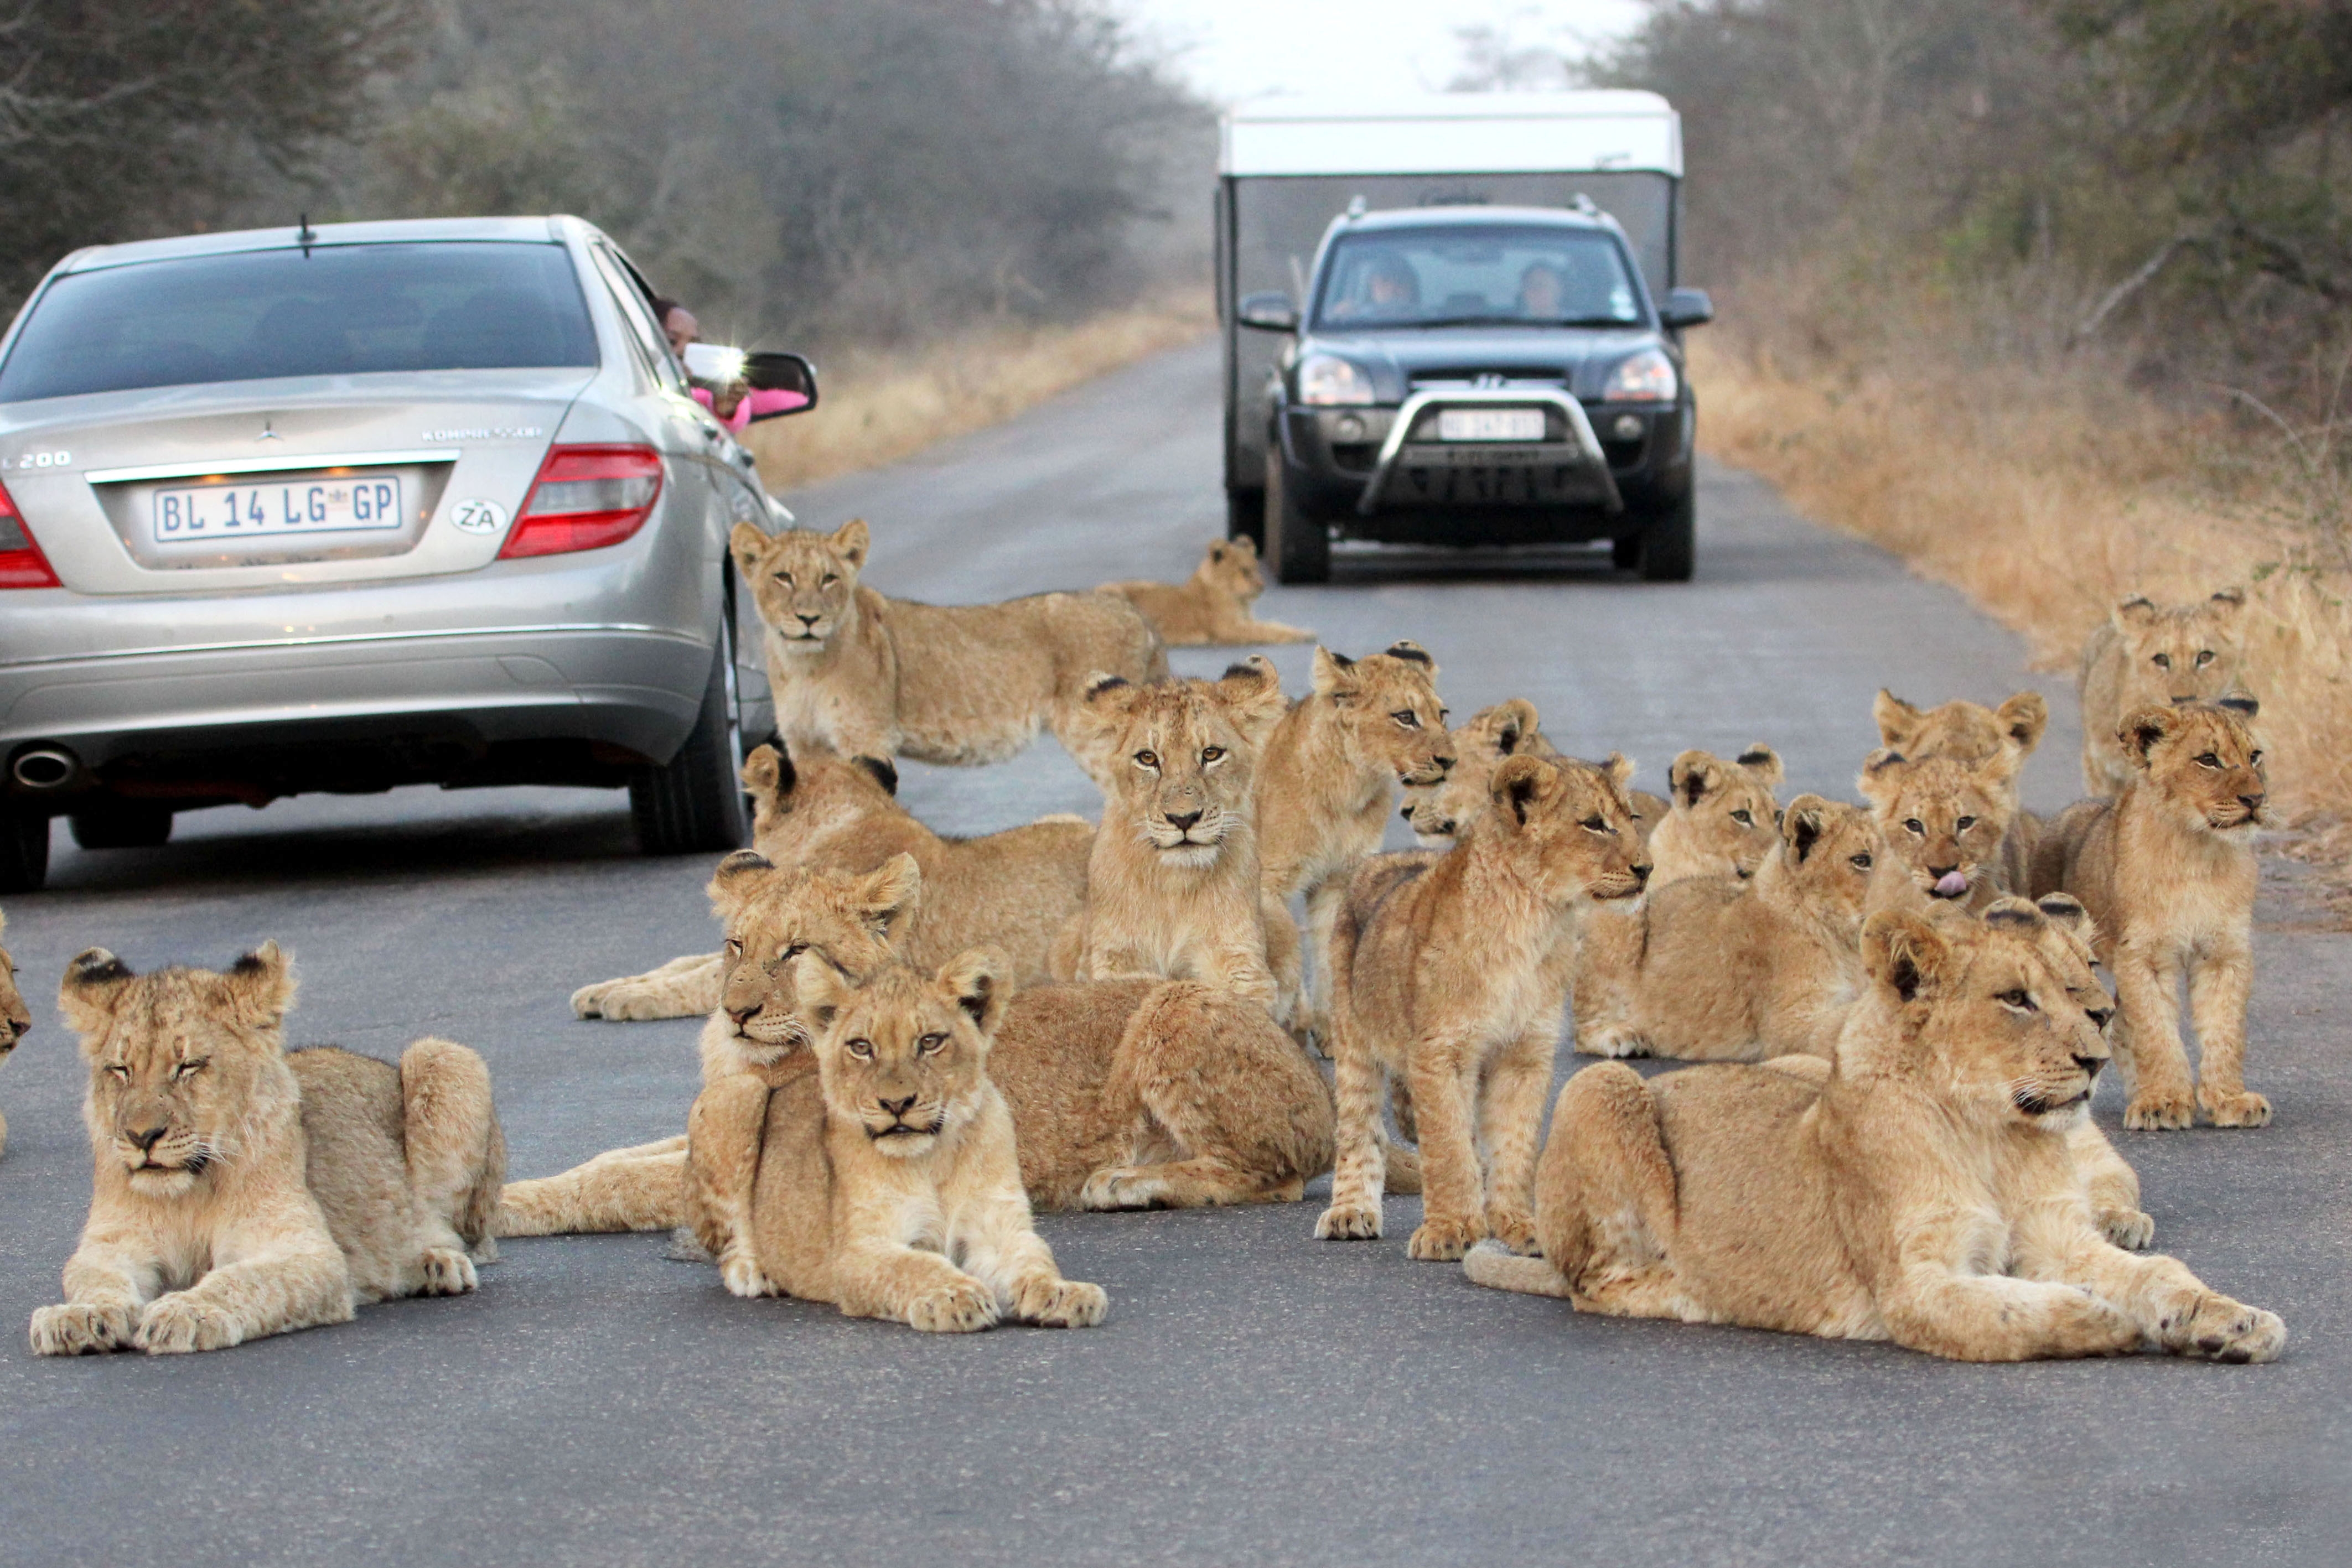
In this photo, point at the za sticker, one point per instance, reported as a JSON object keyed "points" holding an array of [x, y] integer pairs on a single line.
{"points": [[477, 517]]}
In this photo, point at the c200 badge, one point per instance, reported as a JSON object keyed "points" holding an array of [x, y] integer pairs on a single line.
{"points": [[477, 517]]}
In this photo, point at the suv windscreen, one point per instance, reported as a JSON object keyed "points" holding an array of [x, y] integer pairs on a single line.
{"points": [[337, 311], [1476, 276]]}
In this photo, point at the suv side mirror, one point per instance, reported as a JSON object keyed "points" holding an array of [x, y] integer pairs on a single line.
{"points": [[1686, 307], [1267, 312]]}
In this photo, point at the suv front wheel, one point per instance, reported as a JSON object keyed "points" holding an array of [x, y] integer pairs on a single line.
{"points": [[1297, 546]]}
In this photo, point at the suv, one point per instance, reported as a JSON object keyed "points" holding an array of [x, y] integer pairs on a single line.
{"points": [[1486, 375]]}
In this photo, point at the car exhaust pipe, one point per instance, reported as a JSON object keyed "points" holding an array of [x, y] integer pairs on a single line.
{"points": [[45, 768]]}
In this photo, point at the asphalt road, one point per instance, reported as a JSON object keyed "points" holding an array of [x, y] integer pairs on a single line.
{"points": [[1256, 1397]]}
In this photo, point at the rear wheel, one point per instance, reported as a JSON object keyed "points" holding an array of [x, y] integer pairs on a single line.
{"points": [[123, 827], [23, 852], [1298, 547], [1246, 516], [1670, 543], [695, 804]]}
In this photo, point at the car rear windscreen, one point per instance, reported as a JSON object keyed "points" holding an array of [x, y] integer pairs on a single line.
{"points": [[334, 310], [1479, 275]]}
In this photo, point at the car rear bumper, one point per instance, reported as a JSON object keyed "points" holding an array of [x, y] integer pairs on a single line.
{"points": [[548, 703]]}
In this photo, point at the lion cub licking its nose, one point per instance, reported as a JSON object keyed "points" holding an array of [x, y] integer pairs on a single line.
{"points": [[929, 1225], [243, 1190]]}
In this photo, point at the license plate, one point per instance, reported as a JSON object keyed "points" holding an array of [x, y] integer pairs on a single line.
{"points": [[275, 507], [1490, 425]]}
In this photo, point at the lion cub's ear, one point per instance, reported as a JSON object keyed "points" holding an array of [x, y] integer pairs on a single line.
{"points": [[1898, 722], [980, 982], [1217, 552], [736, 880], [849, 542], [2000, 771], [2014, 914], [1519, 785], [259, 986], [92, 985], [2139, 610], [1802, 823], [1764, 762], [1882, 775], [2241, 704], [2224, 603], [1620, 769], [1515, 723], [1251, 691], [887, 897], [768, 772], [1693, 777], [1412, 654], [1334, 676], [2142, 729], [2064, 911], [819, 993], [1905, 950], [2023, 718], [748, 542]]}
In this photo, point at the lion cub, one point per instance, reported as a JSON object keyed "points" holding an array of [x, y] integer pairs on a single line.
{"points": [[1924, 1190], [2166, 870], [1437, 812], [15, 1018], [1725, 970], [931, 1225], [1211, 607], [2143, 656], [1966, 732], [1173, 882], [1014, 889], [1945, 827], [1718, 813], [865, 676], [1444, 971], [243, 1190]]}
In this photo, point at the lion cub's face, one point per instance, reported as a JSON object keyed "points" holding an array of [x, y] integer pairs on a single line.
{"points": [[15, 1018], [1961, 730], [1827, 851], [1390, 709], [1986, 1014], [1721, 815], [182, 1062], [2204, 760], [1439, 812], [802, 581], [1179, 756], [1567, 826], [904, 1056], [1231, 567], [774, 916], [1942, 821], [2180, 653]]}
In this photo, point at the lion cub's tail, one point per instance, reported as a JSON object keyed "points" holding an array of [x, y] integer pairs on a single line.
{"points": [[1497, 1267]]}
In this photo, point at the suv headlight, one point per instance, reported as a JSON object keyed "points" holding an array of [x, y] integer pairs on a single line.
{"points": [[1646, 377], [1326, 379]]}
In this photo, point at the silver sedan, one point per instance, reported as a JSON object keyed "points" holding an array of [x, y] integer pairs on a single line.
{"points": [[357, 506]]}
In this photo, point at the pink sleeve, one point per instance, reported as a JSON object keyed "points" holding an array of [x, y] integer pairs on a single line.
{"points": [[702, 395], [758, 402]]}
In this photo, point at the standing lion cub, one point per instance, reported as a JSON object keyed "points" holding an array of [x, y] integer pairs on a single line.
{"points": [[243, 1190], [2144, 655]]}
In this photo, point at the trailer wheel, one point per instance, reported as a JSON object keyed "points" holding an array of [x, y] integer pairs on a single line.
{"points": [[1298, 546]]}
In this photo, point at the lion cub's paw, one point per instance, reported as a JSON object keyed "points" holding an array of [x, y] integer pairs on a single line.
{"points": [[622, 1001], [1516, 1229], [1444, 1240], [447, 1272], [1059, 1303], [2127, 1229], [2243, 1109], [1350, 1222], [1122, 1186], [2219, 1329], [962, 1306], [78, 1329], [2167, 1110], [743, 1276], [174, 1325], [1611, 1042]]}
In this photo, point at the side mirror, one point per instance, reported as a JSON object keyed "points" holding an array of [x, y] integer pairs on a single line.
{"points": [[1686, 307], [776, 371], [1268, 312]]}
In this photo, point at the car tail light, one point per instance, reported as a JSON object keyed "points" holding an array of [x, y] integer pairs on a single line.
{"points": [[22, 564], [586, 497]]}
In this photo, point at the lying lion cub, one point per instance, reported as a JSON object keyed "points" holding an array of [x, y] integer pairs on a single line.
{"points": [[1945, 825], [930, 1226], [1717, 813], [1722, 969], [1444, 971], [1014, 889], [2148, 655], [865, 676], [2166, 870], [15, 1018], [1924, 1191], [242, 1190], [1211, 607], [1972, 734]]}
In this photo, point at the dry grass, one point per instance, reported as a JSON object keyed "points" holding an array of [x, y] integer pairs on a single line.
{"points": [[2047, 494], [879, 407]]}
